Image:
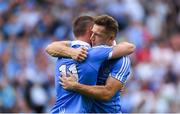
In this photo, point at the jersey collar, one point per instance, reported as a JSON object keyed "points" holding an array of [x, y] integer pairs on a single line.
{"points": [[77, 42]]}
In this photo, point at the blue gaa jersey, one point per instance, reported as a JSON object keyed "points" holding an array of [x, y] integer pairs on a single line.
{"points": [[86, 72], [118, 69]]}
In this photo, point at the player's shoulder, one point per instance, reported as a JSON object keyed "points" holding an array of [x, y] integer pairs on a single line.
{"points": [[101, 48]]}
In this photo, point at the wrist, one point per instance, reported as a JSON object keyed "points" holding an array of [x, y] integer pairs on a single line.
{"points": [[71, 52], [75, 85]]}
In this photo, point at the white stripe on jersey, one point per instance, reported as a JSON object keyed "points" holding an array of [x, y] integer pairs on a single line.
{"points": [[122, 72], [123, 69], [122, 75], [120, 68]]}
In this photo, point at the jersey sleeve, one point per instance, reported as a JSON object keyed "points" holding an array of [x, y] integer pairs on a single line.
{"points": [[121, 69], [99, 54]]}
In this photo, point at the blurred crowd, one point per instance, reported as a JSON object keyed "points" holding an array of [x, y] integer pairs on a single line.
{"points": [[28, 26]]}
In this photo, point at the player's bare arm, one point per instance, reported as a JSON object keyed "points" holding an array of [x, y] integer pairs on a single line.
{"points": [[122, 49], [104, 92], [62, 49]]}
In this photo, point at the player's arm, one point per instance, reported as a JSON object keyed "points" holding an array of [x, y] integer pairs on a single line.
{"points": [[63, 49], [122, 49], [104, 92], [119, 74]]}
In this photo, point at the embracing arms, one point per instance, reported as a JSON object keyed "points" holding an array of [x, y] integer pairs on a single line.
{"points": [[122, 49], [100, 92], [118, 76], [62, 49]]}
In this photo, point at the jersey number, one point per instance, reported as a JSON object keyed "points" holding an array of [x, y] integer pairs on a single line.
{"points": [[72, 69]]}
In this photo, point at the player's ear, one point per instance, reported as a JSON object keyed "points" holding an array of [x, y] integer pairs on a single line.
{"points": [[111, 39]]}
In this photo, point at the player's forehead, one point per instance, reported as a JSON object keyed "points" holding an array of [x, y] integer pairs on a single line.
{"points": [[98, 29]]}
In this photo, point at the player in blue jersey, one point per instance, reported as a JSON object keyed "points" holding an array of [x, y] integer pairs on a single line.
{"points": [[111, 78], [85, 72]]}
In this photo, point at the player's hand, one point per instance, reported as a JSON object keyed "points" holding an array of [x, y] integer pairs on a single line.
{"points": [[79, 54], [69, 82]]}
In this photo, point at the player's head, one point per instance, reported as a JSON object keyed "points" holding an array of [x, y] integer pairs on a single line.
{"points": [[104, 30], [82, 28]]}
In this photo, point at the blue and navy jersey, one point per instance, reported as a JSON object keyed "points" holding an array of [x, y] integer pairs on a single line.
{"points": [[118, 69], [86, 73]]}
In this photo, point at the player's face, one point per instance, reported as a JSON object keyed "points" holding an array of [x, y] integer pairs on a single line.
{"points": [[98, 36], [89, 32]]}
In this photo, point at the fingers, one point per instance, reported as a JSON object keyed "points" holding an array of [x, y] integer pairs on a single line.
{"points": [[63, 74], [66, 79], [84, 51], [83, 54], [81, 57], [61, 83], [71, 77], [80, 54], [62, 79], [69, 74]]}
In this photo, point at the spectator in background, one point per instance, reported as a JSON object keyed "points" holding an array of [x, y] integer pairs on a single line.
{"points": [[23, 39]]}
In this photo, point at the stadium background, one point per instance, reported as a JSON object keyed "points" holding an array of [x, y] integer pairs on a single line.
{"points": [[26, 71]]}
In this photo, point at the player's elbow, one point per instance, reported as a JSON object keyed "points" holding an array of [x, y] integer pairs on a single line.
{"points": [[131, 47], [49, 50], [107, 96], [108, 93]]}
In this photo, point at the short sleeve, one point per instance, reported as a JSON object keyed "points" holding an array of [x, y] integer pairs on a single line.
{"points": [[121, 69]]}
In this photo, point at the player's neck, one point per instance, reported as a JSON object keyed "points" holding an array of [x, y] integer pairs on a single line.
{"points": [[83, 38]]}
